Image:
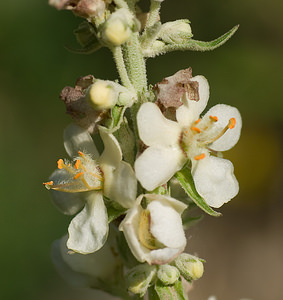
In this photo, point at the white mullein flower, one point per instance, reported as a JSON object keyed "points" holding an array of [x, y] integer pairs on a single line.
{"points": [[172, 143], [155, 233], [83, 183]]}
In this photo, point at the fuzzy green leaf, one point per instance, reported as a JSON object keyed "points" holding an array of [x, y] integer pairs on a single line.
{"points": [[170, 292], [114, 210], [185, 178]]}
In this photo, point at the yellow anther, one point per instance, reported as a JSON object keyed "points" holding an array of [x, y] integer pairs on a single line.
{"points": [[196, 129], [60, 163], [77, 164], [199, 157], [232, 123], [78, 175], [213, 118]]}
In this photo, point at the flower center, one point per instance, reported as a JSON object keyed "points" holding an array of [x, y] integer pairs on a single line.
{"points": [[197, 138], [83, 175]]}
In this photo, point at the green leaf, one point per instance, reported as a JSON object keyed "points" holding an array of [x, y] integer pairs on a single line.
{"points": [[117, 113], [170, 292], [195, 45], [185, 178], [114, 210]]}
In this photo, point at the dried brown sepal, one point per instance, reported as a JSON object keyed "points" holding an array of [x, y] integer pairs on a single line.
{"points": [[78, 107], [171, 89], [83, 8]]}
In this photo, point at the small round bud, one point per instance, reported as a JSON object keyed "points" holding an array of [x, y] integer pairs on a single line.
{"points": [[139, 278], [118, 28], [168, 274], [102, 95], [176, 32], [190, 267]]}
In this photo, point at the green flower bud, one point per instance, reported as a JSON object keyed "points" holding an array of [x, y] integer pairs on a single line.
{"points": [[176, 32], [190, 267], [140, 277], [119, 27], [168, 274]]}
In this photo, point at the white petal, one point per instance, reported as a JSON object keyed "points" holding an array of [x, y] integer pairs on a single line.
{"points": [[154, 128], [67, 203], [156, 165], [215, 181], [78, 139], [163, 256], [190, 111], [224, 113], [124, 186], [88, 230], [166, 224], [130, 227]]}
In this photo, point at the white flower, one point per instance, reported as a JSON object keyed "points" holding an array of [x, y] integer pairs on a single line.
{"points": [[153, 228], [84, 182], [172, 143]]}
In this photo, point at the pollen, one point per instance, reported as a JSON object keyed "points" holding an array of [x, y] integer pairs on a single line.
{"points": [[78, 175], [199, 157], [60, 163], [77, 164], [213, 118], [232, 123], [196, 129]]}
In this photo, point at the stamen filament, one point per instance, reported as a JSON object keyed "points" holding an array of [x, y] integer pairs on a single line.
{"points": [[78, 175]]}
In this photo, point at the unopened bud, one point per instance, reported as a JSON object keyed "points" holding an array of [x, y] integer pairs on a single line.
{"points": [[190, 267], [119, 27], [140, 277], [168, 274], [102, 95], [176, 32]]}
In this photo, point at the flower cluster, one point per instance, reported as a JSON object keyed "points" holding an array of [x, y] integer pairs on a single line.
{"points": [[131, 147]]}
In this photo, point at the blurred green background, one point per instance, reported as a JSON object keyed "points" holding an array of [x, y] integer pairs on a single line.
{"points": [[243, 248]]}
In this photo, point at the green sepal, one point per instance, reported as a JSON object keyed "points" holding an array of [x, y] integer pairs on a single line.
{"points": [[117, 114], [186, 180], [189, 222], [114, 210], [169, 292], [195, 45]]}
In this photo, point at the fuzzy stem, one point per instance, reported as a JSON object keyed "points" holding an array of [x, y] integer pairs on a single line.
{"points": [[153, 13]]}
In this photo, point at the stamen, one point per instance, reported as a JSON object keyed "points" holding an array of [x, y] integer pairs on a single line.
{"points": [[213, 118], [78, 175], [48, 183], [77, 164], [196, 129], [197, 121], [80, 153], [60, 164], [232, 123], [145, 236], [199, 157]]}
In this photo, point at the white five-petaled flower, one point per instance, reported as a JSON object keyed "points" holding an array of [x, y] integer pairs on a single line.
{"points": [[83, 183], [153, 228], [172, 143]]}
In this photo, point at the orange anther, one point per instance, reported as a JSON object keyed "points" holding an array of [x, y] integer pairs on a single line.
{"points": [[80, 153], [199, 157], [197, 121], [78, 175], [232, 123], [196, 129], [213, 118], [60, 163], [77, 164], [48, 183]]}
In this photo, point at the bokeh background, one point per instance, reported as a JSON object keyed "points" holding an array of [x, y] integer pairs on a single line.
{"points": [[243, 248]]}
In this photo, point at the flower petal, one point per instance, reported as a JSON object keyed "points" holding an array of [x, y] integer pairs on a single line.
{"points": [[89, 229], [124, 187], [214, 180], [78, 139], [224, 113], [156, 165], [190, 111], [166, 224], [154, 128]]}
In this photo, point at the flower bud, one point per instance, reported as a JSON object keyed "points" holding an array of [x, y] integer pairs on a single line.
{"points": [[118, 28], [176, 32], [190, 267], [168, 274], [139, 278], [102, 95]]}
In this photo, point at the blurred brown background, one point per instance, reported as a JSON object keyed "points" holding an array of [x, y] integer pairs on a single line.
{"points": [[243, 248]]}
